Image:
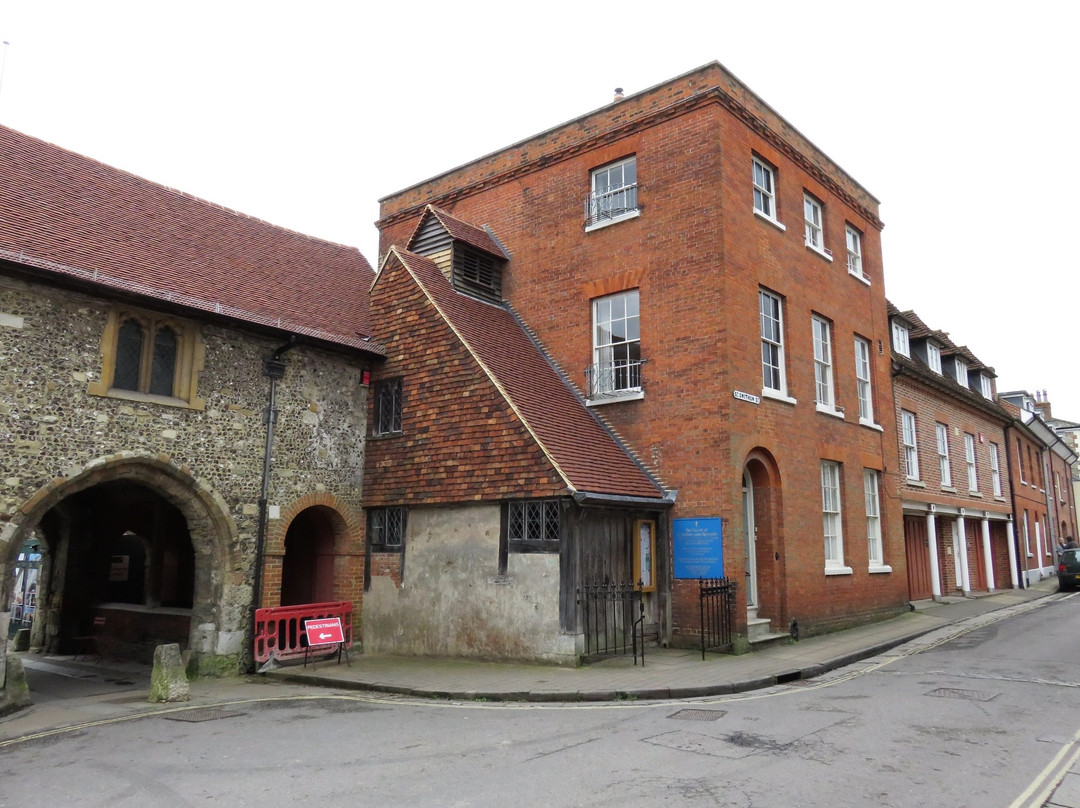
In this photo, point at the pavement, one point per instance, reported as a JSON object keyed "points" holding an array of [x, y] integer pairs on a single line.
{"points": [[82, 694]]}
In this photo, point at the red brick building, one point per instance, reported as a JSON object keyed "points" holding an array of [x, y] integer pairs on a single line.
{"points": [[710, 285], [955, 486], [1040, 463]]}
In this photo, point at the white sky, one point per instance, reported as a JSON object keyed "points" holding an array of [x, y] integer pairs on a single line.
{"points": [[959, 116]]}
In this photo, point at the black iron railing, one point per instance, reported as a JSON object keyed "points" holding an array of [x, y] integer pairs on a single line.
{"points": [[614, 378], [614, 618], [717, 607]]}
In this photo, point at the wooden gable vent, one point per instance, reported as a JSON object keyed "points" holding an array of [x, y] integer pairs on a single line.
{"points": [[477, 273]]}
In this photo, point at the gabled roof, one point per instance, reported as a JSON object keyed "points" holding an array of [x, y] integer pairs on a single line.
{"points": [[461, 231], [71, 218], [587, 454]]}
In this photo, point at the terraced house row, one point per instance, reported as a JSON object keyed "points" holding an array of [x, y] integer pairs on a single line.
{"points": [[645, 348]]}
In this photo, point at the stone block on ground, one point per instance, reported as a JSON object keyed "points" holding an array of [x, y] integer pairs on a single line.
{"points": [[168, 681]]}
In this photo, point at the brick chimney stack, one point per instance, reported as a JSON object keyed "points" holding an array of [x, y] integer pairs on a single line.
{"points": [[618, 94], [1042, 404]]}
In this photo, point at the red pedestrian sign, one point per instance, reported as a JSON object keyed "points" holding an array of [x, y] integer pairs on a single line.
{"points": [[325, 631]]}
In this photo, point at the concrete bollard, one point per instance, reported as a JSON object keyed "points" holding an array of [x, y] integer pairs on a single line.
{"points": [[168, 681]]}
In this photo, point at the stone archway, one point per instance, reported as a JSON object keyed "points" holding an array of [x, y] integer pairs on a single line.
{"points": [[214, 586], [763, 498]]}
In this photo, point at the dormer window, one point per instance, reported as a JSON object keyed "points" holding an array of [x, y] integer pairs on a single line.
{"points": [[900, 339], [933, 357], [614, 194], [987, 389], [961, 372]]}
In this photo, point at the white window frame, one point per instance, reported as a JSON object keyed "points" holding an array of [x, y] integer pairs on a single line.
{"points": [[814, 225], [875, 549], [987, 386], [853, 239], [995, 469], [911, 444], [617, 346], [1027, 536], [961, 372], [901, 339], [863, 381], [622, 198], [771, 317], [1020, 460], [832, 518], [764, 181], [824, 395], [969, 459], [944, 466], [933, 357]]}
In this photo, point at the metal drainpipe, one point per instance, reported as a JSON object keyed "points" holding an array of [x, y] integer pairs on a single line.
{"points": [[273, 369]]}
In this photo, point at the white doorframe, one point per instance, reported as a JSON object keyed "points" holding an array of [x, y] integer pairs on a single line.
{"points": [[750, 543]]}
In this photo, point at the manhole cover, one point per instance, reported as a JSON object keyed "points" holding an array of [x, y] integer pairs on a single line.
{"points": [[698, 715], [202, 714], [956, 693]]}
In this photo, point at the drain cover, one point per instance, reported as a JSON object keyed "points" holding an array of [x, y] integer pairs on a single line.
{"points": [[956, 693], [698, 715], [202, 714]]}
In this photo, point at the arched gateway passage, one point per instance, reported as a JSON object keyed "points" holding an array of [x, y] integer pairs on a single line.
{"points": [[763, 557], [135, 550]]}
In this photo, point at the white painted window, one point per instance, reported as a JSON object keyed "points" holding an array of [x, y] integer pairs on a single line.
{"points": [[987, 389], [862, 379], [873, 518], [900, 339], [814, 223], [1027, 535], [764, 189], [823, 380], [616, 345], [854, 251], [830, 508], [772, 342], [969, 459], [961, 372], [911, 448], [1020, 461], [933, 357], [943, 454], [995, 469], [614, 192]]}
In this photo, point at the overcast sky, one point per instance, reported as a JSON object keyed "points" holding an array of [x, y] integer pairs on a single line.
{"points": [[960, 117]]}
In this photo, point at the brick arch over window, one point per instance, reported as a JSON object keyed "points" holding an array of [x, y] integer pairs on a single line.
{"points": [[348, 530], [221, 574]]}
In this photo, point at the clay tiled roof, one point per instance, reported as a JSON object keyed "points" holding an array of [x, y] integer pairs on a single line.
{"points": [[67, 215], [588, 456], [463, 231]]}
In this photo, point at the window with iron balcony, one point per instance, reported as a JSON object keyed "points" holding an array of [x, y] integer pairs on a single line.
{"points": [[613, 197], [616, 370]]}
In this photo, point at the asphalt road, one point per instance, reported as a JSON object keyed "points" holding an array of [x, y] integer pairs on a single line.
{"points": [[969, 722]]}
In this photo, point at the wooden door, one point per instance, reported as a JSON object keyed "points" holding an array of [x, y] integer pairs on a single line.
{"points": [[976, 557], [918, 558]]}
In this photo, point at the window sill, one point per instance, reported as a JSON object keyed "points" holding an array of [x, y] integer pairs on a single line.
{"points": [[862, 278], [823, 253], [779, 226], [975, 494], [776, 395], [916, 483], [998, 498], [877, 570], [385, 435], [147, 398], [948, 489], [839, 571], [615, 398], [871, 425], [826, 409], [613, 220]]}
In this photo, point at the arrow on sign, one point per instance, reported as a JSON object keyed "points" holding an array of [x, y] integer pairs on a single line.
{"points": [[325, 636]]}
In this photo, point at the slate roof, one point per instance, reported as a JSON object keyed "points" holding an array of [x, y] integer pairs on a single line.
{"points": [[589, 457], [67, 215]]}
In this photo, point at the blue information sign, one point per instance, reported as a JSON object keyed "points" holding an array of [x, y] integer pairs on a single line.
{"points": [[699, 547]]}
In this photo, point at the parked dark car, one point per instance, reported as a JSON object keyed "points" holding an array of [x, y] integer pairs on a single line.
{"points": [[1069, 569]]}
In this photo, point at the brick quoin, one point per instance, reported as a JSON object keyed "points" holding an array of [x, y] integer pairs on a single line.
{"points": [[698, 255]]}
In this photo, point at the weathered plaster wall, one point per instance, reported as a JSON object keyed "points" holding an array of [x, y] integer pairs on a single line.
{"points": [[55, 438], [453, 602]]}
